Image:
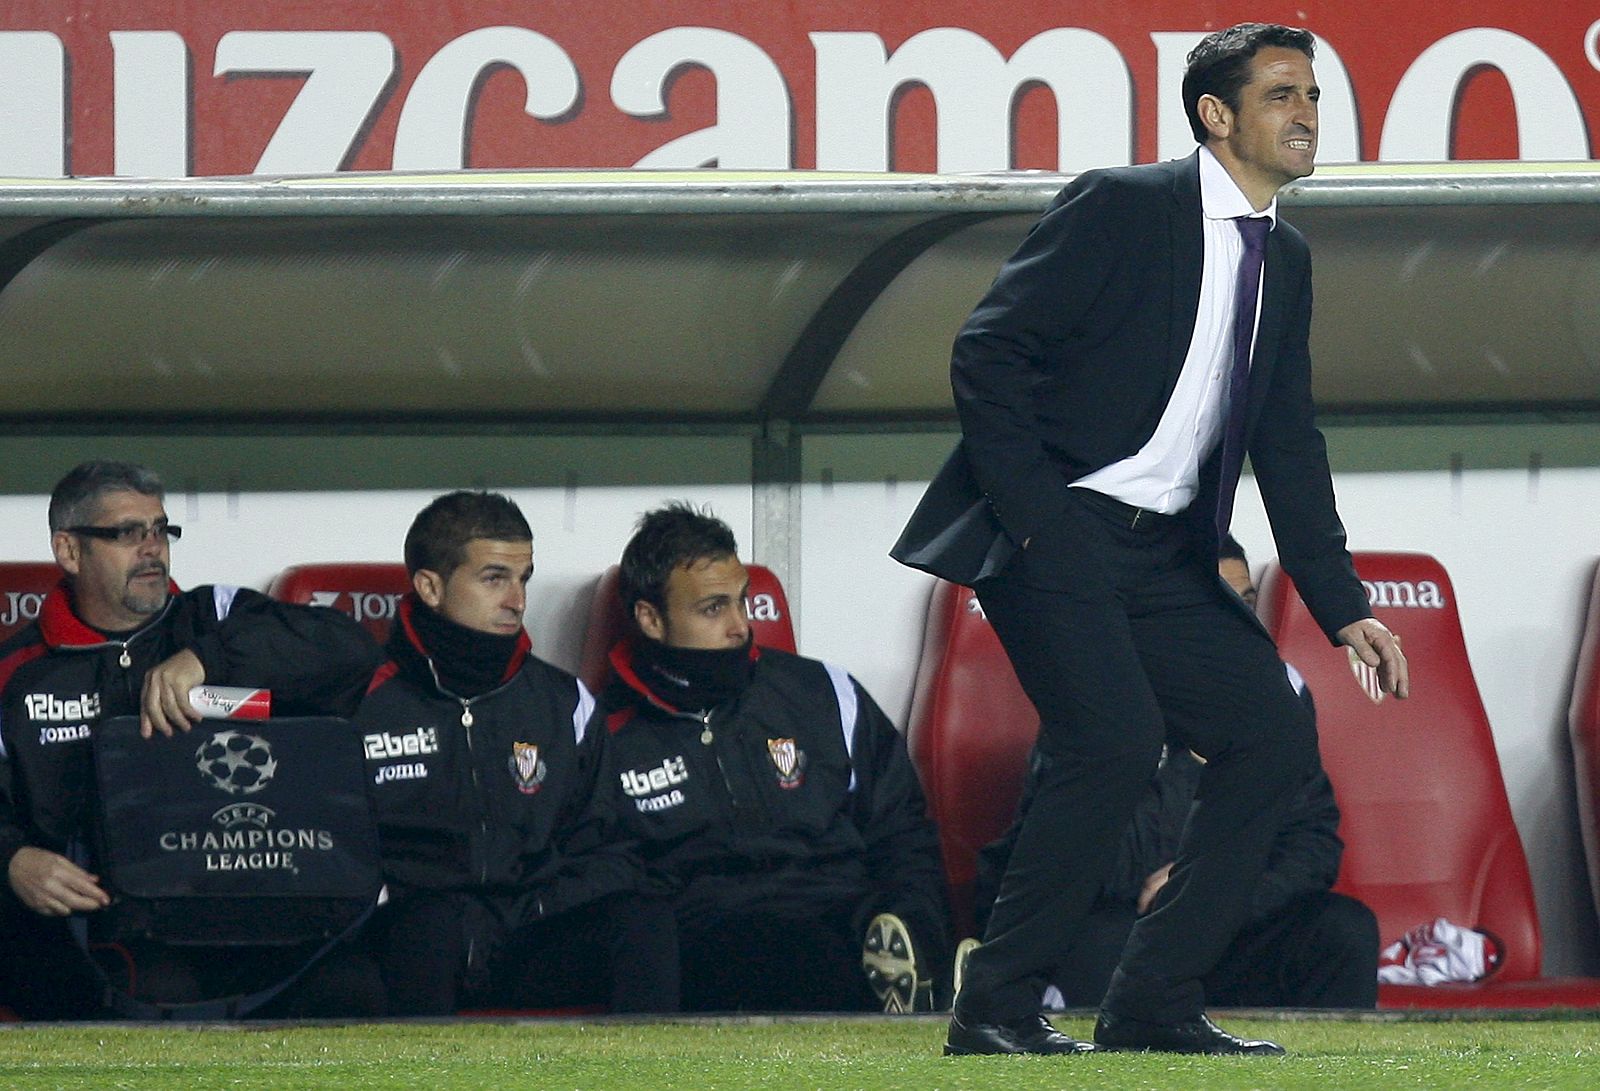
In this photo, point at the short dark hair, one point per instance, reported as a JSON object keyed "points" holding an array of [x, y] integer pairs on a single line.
{"points": [[437, 540], [1231, 550], [76, 497], [671, 536], [1220, 64]]}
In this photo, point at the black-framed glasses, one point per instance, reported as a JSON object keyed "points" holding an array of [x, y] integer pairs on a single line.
{"points": [[131, 534]]}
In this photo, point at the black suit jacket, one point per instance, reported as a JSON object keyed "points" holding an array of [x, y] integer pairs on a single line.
{"points": [[1067, 363]]}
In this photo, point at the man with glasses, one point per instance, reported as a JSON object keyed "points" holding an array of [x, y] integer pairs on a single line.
{"points": [[117, 637]]}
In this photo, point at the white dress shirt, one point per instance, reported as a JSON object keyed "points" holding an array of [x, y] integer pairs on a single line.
{"points": [[1164, 474]]}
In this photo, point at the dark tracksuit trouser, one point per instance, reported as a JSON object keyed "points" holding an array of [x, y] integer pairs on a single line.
{"points": [[442, 951], [762, 959]]}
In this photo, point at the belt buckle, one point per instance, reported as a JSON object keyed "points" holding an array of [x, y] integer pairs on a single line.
{"points": [[1136, 513]]}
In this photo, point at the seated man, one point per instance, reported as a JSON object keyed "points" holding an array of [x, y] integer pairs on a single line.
{"points": [[771, 796], [1302, 946], [117, 637], [507, 886]]}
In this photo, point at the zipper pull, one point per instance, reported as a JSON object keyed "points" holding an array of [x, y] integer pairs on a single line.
{"points": [[466, 714], [125, 660], [706, 736]]}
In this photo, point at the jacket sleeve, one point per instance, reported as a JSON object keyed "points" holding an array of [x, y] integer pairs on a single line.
{"points": [[314, 659], [999, 355], [1290, 460], [1305, 856], [904, 867], [12, 835], [596, 859], [1151, 841]]}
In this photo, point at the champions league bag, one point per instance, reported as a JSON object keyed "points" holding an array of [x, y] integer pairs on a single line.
{"points": [[236, 834]]}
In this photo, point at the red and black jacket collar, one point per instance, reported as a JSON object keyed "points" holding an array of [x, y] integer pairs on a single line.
{"points": [[623, 656], [63, 629], [411, 657]]}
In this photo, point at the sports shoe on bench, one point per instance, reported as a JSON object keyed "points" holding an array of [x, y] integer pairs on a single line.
{"points": [[890, 962]]}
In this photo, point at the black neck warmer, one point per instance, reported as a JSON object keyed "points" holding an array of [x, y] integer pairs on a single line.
{"points": [[469, 663], [694, 679]]}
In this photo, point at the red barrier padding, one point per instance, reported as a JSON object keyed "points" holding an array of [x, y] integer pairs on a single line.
{"points": [[23, 585], [1583, 721], [1494, 994], [367, 592], [766, 604], [1427, 827], [970, 733]]}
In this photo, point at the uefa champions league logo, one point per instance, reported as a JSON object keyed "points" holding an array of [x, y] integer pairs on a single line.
{"points": [[236, 763]]}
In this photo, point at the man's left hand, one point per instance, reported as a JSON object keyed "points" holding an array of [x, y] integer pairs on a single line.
{"points": [[1379, 649], [164, 705]]}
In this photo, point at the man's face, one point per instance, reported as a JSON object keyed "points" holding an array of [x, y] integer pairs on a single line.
{"points": [[1271, 139], [488, 591], [1237, 575], [704, 606], [117, 586]]}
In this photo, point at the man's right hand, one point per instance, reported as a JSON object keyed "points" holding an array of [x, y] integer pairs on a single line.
{"points": [[54, 886], [164, 703], [1152, 886]]}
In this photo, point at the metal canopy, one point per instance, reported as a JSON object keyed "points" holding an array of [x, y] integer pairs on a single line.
{"points": [[713, 297]]}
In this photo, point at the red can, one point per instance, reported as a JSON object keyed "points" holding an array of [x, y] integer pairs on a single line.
{"points": [[231, 702]]}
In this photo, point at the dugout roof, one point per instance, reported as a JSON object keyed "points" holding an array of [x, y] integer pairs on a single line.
{"points": [[811, 298]]}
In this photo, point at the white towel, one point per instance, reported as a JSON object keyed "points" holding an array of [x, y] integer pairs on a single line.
{"points": [[1437, 953]]}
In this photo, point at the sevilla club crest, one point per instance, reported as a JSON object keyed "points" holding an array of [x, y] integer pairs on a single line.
{"points": [[526, 768], [789, 760]]}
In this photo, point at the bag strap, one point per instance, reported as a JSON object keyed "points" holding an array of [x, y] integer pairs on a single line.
{"points": [[236, 1006]]}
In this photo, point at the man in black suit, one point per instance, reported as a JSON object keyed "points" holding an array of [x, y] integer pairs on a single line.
{"points": [[1301, 946], [1102, 436]]}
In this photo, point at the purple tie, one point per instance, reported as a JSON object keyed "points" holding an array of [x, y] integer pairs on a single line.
{"points": [[1253, 229]]}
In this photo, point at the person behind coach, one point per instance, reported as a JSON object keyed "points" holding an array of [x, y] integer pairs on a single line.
{"points": [[1302, 945], [772, 797], [117, 637], [507, 885], [1102, 436]]}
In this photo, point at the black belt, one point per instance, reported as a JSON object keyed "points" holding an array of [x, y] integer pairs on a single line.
{"points": [[1134, 518]]}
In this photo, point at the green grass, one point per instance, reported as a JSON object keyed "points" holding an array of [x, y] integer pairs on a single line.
{"points": [[1373, 1055]]}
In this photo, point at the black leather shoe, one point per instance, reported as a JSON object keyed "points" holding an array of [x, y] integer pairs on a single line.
{"points": [[1198, 1035], [1031, 1035]]}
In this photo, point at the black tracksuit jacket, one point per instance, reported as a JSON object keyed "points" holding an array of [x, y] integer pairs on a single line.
{"points": [[1304, 859], [492, 795], [794, 797]]}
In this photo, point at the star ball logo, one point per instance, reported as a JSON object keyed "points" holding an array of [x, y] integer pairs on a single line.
{"points": [[236, 763]]}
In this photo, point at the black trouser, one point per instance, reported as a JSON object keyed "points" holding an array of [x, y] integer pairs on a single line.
{"points": [[1124, 637], [441, 951], [342, 983], [761, 959], [1319, 951], [43, 974]]}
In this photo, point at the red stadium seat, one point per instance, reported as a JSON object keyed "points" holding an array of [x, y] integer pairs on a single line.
{"points": [[1427, 827], [766, 603], [23, 585], [367, 592], [970, 733], [1583, 720]]}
